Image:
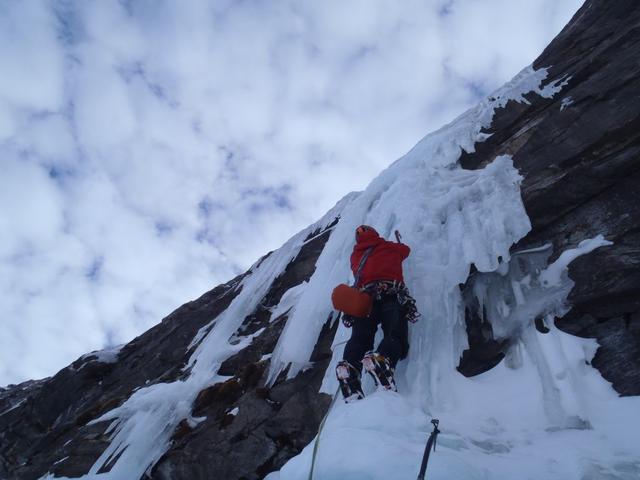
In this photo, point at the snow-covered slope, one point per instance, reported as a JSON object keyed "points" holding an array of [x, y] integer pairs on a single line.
{"points": [[510, 422]]}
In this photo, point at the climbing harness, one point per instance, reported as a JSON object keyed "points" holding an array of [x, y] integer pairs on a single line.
{"points": [[427, 450], [382, 288]]}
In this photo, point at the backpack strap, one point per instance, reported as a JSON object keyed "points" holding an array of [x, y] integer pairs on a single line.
{"points": [[363, 260]]}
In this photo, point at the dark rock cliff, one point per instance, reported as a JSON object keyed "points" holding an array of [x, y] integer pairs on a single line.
{"points": [[579, 154]]}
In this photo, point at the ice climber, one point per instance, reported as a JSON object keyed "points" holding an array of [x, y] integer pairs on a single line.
{"points": [[377, 267]]}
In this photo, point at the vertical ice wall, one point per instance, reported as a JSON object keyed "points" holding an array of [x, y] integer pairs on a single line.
{"points": [[512, 298], [450, 217]]}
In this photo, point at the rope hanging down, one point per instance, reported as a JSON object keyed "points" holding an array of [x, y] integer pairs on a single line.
{"points": [[316, 445]]}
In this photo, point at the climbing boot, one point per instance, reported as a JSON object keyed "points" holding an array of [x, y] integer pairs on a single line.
{"points": [[349, 380], [380, 369]]}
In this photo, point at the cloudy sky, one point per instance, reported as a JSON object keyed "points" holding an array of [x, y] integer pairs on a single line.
{"points": [[150, 150]]}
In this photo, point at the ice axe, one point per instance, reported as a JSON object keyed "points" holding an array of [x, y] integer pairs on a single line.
{"points": [[398, 236], [430, 443]]}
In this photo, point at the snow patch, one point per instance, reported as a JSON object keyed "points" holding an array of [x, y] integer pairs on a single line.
{"points": [[289, 300], [13, 407], [567, 101], [552, 274], [551, 89], [194, 421], [107, 355]]}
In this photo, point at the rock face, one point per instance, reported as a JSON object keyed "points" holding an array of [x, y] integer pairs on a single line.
{"points": [[268, 425], [579, 154], [46, 421]]}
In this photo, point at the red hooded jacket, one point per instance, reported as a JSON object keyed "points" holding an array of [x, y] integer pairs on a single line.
{"points": [[384, 262]]}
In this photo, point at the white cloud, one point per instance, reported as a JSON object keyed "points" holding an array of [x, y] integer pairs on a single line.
{"points": [[151, 150], [32, 74]]}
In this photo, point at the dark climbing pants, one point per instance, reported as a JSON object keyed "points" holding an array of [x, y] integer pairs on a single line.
{"points": [[395, 344]]}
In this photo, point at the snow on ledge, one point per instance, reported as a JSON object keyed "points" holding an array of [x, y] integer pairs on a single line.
{"points": [[552, 275]]}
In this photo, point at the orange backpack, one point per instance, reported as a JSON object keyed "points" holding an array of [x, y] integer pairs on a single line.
{"points": [[351, 300]]}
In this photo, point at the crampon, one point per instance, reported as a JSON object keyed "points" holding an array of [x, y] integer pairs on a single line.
{"points": [[349, 380], [379, 368]]}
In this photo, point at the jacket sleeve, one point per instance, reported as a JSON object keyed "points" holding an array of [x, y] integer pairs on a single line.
{"points": [[402, 249]]}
